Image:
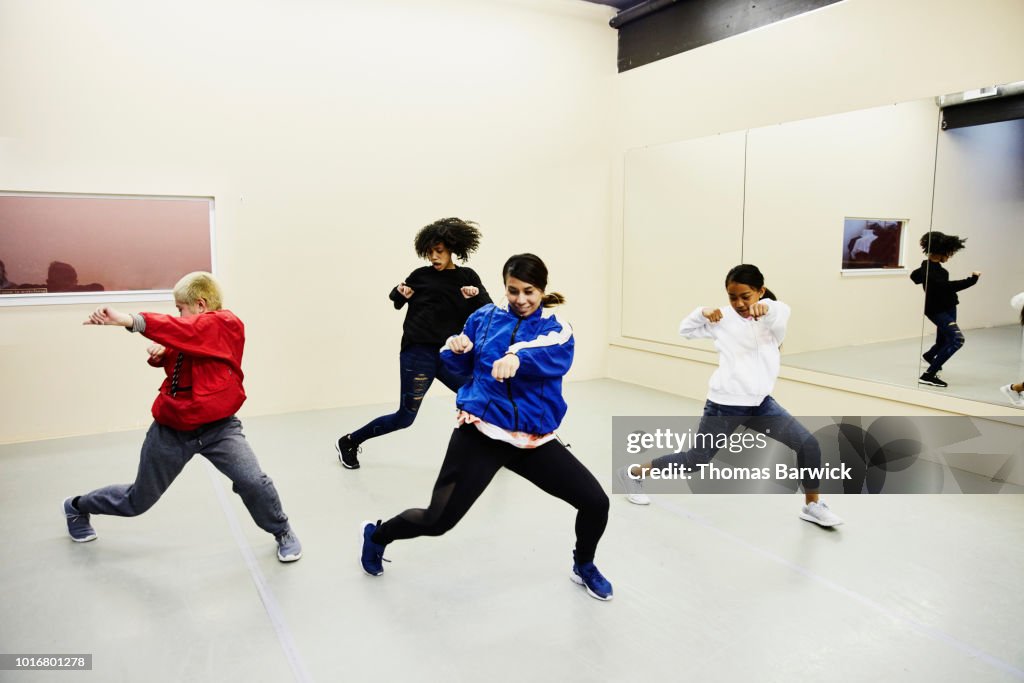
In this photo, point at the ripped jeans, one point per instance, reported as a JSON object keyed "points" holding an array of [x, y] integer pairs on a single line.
{"points": [[948, 339], [419, 365]]}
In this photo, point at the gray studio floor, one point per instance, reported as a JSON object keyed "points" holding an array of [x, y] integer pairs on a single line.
{"points": [[990, 358], [715, 588]]}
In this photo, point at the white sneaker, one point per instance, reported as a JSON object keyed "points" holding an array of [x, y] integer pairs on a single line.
{"points": [[819, 513], [1015, 396], [633, 487]]}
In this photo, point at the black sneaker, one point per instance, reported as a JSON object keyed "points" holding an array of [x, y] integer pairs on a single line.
{"points": [[932, 379], [347, 452]]}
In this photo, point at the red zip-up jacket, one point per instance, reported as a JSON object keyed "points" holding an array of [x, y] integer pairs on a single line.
{"points": [[210, 377]]}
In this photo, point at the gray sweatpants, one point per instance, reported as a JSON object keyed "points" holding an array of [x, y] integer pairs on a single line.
{"points": [[166, 451]]}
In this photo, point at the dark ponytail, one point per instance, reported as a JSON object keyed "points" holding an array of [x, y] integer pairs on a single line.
{"points": [[749, 275], [552, 299], [531, 269]]}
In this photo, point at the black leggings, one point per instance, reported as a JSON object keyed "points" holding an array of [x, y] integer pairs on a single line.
{"points": [[469, 466]]}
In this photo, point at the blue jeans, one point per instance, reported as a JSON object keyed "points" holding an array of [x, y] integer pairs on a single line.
{"points": [[166, 451], [419, 365], [769, 418], [948, 339]]}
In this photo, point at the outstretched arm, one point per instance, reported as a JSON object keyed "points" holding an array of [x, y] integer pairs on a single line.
{"points": [[958, 285], [105, 315]]}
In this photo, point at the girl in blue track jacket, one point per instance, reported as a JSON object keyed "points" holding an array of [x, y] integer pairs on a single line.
{"points": [[508, 413], [543, 345]]}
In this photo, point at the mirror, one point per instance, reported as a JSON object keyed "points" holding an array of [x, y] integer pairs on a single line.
{"points": [[979, 196], [683, 204], [784, 196]]}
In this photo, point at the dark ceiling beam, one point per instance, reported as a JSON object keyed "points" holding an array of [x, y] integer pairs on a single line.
{"points": [[656, 29], [639, 11], [980, 112]]}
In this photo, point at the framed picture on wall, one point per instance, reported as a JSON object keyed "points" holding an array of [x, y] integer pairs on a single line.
{"points": [[76, 248], [873, 243]]}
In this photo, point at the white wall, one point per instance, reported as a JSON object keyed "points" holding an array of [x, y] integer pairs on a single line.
{"points": [[849, 56], [328, 133]]}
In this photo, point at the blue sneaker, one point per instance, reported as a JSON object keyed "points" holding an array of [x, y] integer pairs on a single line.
{"points": [[78, 523], [589, 576], [289, 548], [372, 557]]}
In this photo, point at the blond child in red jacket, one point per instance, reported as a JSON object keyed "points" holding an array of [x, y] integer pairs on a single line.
{"points": [[194, 412]]}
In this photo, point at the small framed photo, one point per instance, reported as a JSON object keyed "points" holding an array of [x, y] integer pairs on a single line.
{"points": [[873, 243]]}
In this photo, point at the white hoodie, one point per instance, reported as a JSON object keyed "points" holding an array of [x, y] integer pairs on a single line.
{"points": [[748, 352]]}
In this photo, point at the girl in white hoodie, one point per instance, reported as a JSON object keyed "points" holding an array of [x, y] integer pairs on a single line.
{"points": [[748, 335]]}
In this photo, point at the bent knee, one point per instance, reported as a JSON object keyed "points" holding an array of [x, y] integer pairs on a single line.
{"points": [[138, 506], [595, 501], [405, 417], [439, 528], [438, 523]]}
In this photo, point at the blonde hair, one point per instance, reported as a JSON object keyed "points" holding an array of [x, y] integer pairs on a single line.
{"points": [[196, 286]]}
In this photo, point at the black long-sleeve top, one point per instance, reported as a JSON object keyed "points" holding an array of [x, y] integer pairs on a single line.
{"points": [[437, 309], [939, 291]]}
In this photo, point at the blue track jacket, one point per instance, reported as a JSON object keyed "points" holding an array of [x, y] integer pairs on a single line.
{"points": [[531, 401]]}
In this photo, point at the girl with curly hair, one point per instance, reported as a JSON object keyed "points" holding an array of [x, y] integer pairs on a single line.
{"points": [[940, 301], [440, 297]]}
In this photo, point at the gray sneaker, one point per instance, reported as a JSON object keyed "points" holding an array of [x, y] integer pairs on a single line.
{"points": [[289, 548], [78, 523], [633, 488], [819, 513]]}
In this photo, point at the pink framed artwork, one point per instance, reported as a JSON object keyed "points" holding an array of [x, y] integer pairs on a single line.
{"points": [[68, 248]]}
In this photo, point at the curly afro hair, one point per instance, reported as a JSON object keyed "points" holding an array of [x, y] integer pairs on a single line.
{"points": [[460, 237], [941, 244]]}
